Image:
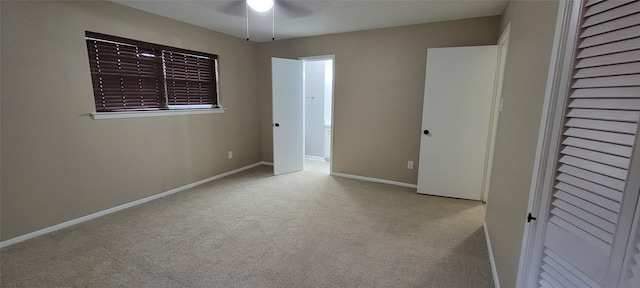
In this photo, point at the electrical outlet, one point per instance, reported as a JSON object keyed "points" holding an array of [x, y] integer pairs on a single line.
{"points": [[230, 154], [410, 165]]}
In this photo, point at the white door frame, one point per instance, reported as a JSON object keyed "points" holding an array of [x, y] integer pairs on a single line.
{"points": [[549, 136], [496, 104], [331, 57]]}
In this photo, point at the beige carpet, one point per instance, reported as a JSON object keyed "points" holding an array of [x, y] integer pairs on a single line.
{"points": [[256, 230]]}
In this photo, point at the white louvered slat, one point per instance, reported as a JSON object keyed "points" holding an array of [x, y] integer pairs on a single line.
{"points": [[592, 2], [613, 36], [616, 104], [584, 236], [588, 196], [595, 167], [552, 281], [612, 183], [615, 92], [622, 116], [612, 126], [624, 151], [611, 160], [619, 69], [572, 270], [615, 47], [584, 226], [615, 138], [605, 27], [576, 251], [544, 284], [598, 133], [556, 275], [591, 187], [586, 217], [604, 6], [624, 80], [591, 207], [609, 59], [573, 279], [612, 14]]}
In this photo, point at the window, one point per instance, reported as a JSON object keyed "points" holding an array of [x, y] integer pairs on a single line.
{"points": [[130, 75]]}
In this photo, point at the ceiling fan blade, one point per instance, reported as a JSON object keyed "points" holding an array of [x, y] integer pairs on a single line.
{"points": [[233, 8], [293, 9]]}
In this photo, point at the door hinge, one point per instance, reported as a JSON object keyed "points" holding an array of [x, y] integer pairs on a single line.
{"points": [[530, 217]]}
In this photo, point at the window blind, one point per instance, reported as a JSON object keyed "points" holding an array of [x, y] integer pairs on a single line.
{"points": [[189, 79], [130, 75]]}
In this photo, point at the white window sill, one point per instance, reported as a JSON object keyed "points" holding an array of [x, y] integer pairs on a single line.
{"points": [[137, 114]]}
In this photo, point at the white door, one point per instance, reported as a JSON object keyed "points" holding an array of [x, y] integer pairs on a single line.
{"points": [[455, 120], [288, 133]]}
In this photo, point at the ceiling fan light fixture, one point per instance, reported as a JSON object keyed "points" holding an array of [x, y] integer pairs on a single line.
{"points": [[260, 5]]}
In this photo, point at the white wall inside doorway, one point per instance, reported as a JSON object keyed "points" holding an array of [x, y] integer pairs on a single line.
{"points": [[318, 90]]}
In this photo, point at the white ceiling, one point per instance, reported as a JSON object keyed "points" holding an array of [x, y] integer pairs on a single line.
{"points": [[328, 17]]}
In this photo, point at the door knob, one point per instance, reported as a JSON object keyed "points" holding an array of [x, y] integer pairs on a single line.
{"points": [[277, 125], [426, 132]]}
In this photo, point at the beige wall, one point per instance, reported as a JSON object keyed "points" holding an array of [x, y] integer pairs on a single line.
{"points": [[531, 38], [59, 164], [379, 89]]}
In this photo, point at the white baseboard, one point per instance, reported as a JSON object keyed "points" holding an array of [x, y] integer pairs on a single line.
{"points": [[266, 163], [375, 180], [496, 283], [123, 206]]}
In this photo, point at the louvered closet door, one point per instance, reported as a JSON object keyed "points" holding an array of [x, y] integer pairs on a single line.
{"points": [[598, 137]]}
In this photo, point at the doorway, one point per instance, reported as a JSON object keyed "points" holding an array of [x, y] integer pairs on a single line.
{"points": [[318, 113]]}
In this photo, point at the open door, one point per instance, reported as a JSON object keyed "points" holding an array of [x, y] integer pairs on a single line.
{"points": [[456, 119], [288, 121]]}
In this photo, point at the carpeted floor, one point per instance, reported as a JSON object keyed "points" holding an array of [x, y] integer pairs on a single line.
{"points": [[255, 230]]}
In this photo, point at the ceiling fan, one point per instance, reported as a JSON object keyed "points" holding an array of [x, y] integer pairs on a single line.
{"points": [[290, 8]]}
